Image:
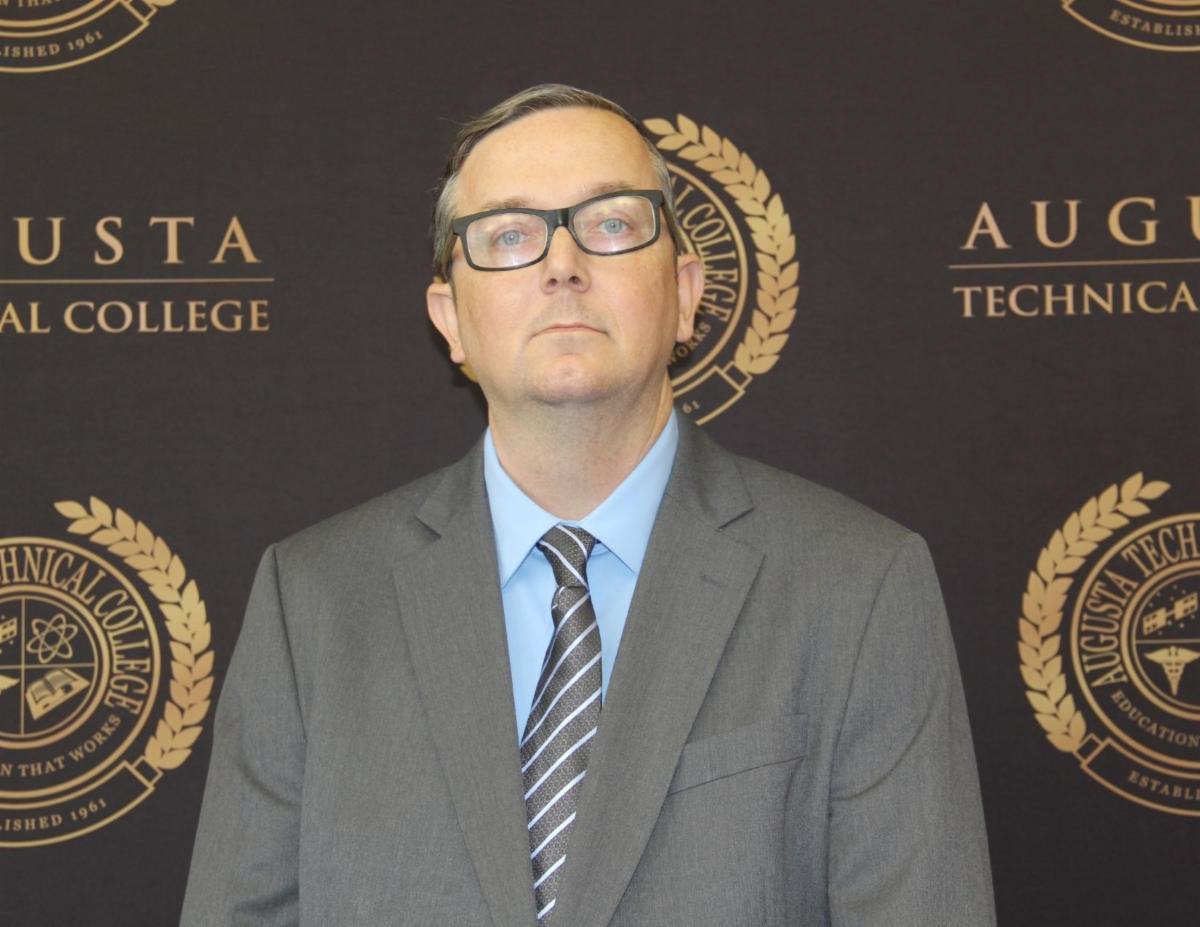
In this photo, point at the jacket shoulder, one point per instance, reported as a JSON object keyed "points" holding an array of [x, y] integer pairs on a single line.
{"points": [[815, 517], [385, 525]]}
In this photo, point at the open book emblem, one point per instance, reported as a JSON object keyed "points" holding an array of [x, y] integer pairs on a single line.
{"points": [[57, 686]]}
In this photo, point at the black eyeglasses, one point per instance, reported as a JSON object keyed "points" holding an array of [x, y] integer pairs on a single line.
{"points": [[514, 237]]}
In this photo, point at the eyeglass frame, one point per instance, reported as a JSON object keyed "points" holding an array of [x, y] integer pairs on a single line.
{"points": [[562, 217]]}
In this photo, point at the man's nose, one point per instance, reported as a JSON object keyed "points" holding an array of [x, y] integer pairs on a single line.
{"points": [[565, 265]]}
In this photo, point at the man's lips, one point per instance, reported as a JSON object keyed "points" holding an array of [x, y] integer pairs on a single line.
{"points": [[567, 328]]}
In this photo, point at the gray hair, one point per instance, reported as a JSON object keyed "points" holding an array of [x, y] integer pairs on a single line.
{"points": [[530, 100]]}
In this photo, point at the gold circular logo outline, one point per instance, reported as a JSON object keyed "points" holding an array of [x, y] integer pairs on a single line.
{"points": [[1130, 610], [1041, 662], [37, 26], [78, 22], [1178, 9], [185, 619], [743, 266], [777, 270], [94, 773]]}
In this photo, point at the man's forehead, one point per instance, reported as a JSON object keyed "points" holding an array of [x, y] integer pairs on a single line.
{"points": [[572, 152], [596, 189]]}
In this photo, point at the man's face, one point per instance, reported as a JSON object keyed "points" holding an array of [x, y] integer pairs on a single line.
{"points": [[574, 327]]}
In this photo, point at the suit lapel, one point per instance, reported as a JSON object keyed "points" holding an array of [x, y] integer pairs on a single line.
{"points": [[690, 591], [452, 613]]}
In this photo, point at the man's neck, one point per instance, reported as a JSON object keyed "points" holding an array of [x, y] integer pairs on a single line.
{"points": [[570, 458]]}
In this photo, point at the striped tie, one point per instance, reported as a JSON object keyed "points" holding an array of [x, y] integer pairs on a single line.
{"points": [[565, 712]]}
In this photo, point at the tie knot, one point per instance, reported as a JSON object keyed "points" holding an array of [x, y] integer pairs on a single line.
{"points": [[568, 547]]}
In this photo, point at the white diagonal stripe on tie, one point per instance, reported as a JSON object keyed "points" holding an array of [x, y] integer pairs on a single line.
{"points": [[550, 677], [557, 763], [554, 701], [554, 833], [550, 804], [549, 872], [571, 534], [564, 561], [567, 720]]}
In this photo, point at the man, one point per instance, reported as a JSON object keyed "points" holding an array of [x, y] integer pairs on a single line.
{"points": [[428, 719]]}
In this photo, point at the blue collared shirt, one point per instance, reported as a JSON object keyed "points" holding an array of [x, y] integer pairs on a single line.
{"points": [[621, 525]]}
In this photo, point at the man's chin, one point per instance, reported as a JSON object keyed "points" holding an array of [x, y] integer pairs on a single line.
{"points": [[571, 384]]}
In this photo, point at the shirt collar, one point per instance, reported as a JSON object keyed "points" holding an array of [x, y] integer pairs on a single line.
{"points": [[621, 523]]}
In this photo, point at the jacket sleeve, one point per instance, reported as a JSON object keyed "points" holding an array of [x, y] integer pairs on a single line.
{"points": [[907, 838], [244, 867]]}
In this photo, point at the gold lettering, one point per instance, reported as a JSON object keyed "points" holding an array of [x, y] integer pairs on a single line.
{"points": [[31, 325], [995, 302], [696, 215], [259, 321], [235, 237], [1067, 298], [1015, 307], [1097, 624], [232, 323], [69, 318], [8, 566], [968, 299], [985, 224], [1097, 643], [1141, 296], [172, 223], [1040, 223], [37, 564], [720, 312], [128, 665], [1183, 294], [104, 317], [64, 560], [1091, 296], [75, 582], [23, 236], [108, 238], [1149, 226], [1126, 586], [117, 700], [1187, 541]]}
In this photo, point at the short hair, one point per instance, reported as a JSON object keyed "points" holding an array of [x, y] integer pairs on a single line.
{"points": [[530, 100]]}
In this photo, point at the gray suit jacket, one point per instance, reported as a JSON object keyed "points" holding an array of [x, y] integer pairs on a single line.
{"points": [[784, 740]]}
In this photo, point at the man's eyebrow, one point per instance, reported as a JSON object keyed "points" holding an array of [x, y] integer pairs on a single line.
{"points": [[517, 202]]}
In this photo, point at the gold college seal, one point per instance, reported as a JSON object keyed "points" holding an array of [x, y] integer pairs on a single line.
{"points": [[87, 726], [1163, 25], [1109, 633], [749, 299], [47, 35]]}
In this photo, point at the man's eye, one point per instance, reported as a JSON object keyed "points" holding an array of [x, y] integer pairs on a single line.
{"points": [[613, 226], [509, 238]]}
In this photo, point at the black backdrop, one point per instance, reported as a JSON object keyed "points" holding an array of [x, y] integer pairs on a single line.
{"points": [[883, 130]]}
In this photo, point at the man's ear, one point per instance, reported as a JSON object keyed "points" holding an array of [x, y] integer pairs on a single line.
{"points": [[689, 282], [443, 312]]}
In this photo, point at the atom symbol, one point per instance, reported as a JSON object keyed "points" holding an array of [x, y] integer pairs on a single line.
{"points": [[52, 639]]}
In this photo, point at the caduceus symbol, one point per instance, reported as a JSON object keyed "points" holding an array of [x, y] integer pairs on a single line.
{"points": [[1173, 659]]}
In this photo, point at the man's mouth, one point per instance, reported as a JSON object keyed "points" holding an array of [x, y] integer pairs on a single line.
{"points": [[567, 327]]}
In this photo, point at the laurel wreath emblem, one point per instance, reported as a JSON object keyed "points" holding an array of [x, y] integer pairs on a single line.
{"points": [[771, 231], [1045, 596], [185, 616]]}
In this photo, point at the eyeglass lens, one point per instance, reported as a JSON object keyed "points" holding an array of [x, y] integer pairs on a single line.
{"points": [[610, 225]]}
